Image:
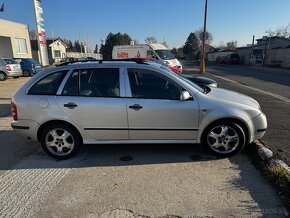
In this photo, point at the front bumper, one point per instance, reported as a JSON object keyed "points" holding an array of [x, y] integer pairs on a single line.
{"points": [[26, 128], [258, 127]]}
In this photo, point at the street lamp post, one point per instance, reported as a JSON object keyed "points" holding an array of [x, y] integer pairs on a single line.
{"points": [[202, 62]]}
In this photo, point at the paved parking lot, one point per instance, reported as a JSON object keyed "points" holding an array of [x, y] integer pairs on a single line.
{"points": [[126, 180]]}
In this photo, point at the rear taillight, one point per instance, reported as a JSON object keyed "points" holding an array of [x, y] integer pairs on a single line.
{"points": [[32, 66], [8, 68], [14, 111]]}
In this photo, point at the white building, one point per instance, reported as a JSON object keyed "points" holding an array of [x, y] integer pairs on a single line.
{"points": [[14, 40], [58, 49]]}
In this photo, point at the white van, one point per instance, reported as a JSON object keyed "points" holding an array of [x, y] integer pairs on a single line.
{"points": [[157, 51]]}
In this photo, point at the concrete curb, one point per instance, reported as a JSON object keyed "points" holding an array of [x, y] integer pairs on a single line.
{"points": [[266, 155]]}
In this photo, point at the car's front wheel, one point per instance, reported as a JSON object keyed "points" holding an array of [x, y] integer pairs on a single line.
{"points": [[224, 139], [60, 141]]}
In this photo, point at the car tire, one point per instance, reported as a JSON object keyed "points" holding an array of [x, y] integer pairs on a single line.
{"points": [[26, 73], [224, 139], [60, 141], [3, 76]]}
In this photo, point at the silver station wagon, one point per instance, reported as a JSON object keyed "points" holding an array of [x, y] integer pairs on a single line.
{"points": [[121, 102]]}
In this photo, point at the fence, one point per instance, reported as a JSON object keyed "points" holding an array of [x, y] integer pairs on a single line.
{"points": [[279, 57], [80, 55]]}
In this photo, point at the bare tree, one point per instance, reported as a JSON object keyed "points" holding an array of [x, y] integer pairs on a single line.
{"points": [[232, 45], [151, 39], [283, 31], [221, 45], [165, 44], [32, 35], [136, 42]]}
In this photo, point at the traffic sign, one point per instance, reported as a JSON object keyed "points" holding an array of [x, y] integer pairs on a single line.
{"points": [[201, 36]]}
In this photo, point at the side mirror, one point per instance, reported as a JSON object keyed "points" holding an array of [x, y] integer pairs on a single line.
{"points": [[184, 96]]}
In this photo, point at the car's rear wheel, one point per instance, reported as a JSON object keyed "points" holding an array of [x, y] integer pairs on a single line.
{"points": [[3, 76], [26, 73], [224, 139], [60, 141]]}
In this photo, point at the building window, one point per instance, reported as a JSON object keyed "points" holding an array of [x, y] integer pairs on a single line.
{"points": [[57, 54], [21, 47]]}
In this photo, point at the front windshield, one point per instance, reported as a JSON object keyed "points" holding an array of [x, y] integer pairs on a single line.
{"points": [[165, 54], [197, 87]]}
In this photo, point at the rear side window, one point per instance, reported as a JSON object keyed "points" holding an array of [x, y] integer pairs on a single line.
{"points": [[48, 85], [10, 61], [98, 82]]}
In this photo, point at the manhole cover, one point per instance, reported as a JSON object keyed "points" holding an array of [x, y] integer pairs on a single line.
{"points": [[126, 158]]}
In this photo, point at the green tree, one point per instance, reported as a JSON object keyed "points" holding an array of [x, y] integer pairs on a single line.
{"points": [[96, 48], [77, 46], [112, 40], [178, 53], [191, 47]]}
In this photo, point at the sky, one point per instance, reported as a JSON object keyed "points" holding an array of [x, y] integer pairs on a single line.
{"points": [[169, 20]]}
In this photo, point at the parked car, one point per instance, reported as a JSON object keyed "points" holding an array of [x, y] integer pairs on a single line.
{"points": [[201, 80], [174, 69], [87, 59], [29, 66], [232, 59], [219, 60], [9, 68], [124, 102]]}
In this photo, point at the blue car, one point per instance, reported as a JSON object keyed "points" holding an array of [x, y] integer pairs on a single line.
{"points": [[29, 66]]}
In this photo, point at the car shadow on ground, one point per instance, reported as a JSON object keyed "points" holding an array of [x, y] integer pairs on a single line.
{"points": [[25, 155], [19, 153]]}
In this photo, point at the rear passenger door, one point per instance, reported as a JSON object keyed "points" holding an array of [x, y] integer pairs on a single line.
{"points": [[92, 99]]}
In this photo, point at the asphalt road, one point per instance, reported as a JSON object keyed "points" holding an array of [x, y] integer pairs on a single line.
{"points": [[269, 86], [127, 180]]}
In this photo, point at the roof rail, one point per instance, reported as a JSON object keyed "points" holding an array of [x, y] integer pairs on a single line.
{"points": [[101, 61]]}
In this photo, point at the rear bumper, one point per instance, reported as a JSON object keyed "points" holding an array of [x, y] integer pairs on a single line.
{"points": [[14, 73], [26, 128], [36, 70]]}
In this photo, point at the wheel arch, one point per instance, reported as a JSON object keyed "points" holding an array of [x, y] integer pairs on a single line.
{"points": [[241, 123], [60, 122], [3, 72]]}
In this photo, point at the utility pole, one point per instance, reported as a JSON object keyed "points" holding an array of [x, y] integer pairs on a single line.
{"points": [[202, 62]]}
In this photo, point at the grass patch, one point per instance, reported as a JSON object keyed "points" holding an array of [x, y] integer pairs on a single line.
{"points": [[276, 174]]}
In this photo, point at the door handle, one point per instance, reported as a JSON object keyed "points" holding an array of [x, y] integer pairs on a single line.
{"points": [[136, 107], [70, 105]]}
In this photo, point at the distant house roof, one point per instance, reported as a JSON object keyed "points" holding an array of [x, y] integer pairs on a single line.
{"points": [[49, 42], [57, 41], [274, 37]]}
